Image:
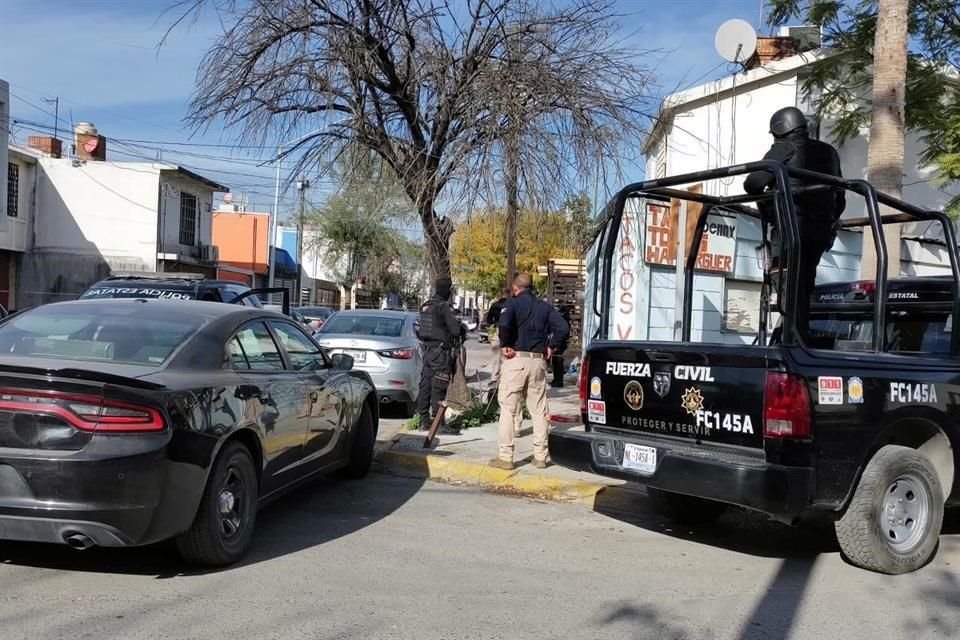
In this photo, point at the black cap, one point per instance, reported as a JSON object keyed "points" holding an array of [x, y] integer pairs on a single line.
{"points": [[787, 120], [443, 287]]}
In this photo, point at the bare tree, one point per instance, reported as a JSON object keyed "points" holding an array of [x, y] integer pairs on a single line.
{"points": [[431, 86]]}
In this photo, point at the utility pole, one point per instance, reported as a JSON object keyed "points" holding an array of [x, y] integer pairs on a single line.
{"points": [[271, 246], [302, 186], [56, 113]]}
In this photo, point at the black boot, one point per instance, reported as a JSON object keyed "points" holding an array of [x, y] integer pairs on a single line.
{"points": [[447, 430], [424, 423]]}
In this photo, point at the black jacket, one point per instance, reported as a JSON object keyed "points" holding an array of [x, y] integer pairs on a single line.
{"points": [[800, 151], [530, 324], [493, 313], [438, 324]]}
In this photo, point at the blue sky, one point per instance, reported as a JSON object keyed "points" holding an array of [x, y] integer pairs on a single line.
{"points": [[101, 58]]}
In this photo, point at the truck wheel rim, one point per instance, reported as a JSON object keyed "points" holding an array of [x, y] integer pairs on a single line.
{"points": [[905, 513], [230, 506]]}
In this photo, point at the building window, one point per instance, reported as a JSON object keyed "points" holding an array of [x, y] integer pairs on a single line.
{"points": [[188, 219], [13, 189]]}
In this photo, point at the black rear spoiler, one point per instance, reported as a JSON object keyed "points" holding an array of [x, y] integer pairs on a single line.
{"points": [[81, 374]]}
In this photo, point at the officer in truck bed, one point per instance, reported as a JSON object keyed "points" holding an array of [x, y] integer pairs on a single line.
{"points": [[818, 212], [440, 334]]}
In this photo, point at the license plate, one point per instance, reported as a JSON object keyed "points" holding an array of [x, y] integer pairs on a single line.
{"points": [[358, 356], [643, 459]]}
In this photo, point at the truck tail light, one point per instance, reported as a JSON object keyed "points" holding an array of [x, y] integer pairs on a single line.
{"points": [[584, 383], [83, 412], [786, 407]]}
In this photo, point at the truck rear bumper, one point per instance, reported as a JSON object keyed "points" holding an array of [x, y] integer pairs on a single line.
{"points": [[780, 491]]}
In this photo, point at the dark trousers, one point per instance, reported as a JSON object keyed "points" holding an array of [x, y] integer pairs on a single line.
{"points": [[558, 370], [434, 380], [816, 238]]}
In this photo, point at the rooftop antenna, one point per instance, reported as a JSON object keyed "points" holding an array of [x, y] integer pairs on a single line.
{"points": [[736, 41]]}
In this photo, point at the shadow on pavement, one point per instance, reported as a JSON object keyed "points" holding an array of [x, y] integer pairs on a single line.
{"points": [[737, 530], [313, 515], [742, 531]]}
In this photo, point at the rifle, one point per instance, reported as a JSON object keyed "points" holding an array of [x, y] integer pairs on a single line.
{"points": [[437, 421]]}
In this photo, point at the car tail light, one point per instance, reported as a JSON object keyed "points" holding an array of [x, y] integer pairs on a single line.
{"points": [[83, 412], [399, 354], [786, 407], [583, 383]]}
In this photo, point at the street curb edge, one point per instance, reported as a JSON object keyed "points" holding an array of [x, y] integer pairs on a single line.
{"points": [[437, 467]]}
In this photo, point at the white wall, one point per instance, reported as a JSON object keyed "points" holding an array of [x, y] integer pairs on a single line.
{"points": [[102, 209], [171, 185], [16, 236]]}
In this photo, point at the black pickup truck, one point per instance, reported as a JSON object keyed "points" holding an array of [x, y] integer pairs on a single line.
{"points": [[859, 420]]}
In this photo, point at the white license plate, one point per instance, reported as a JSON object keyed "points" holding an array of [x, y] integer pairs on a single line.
{"points": [[643, 459], [358, 356]]}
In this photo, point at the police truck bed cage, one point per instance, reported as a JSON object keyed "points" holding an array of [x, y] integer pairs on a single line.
{"points": [[785, 220]]}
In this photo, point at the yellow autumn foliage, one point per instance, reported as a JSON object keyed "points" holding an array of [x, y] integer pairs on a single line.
{"points": [[478, 254]]}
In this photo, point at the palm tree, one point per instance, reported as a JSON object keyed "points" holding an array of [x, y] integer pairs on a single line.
{"points": [[885, 155]]}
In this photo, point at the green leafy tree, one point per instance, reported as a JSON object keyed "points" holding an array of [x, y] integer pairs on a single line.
{"points": [[358, 228], [931, 93]]}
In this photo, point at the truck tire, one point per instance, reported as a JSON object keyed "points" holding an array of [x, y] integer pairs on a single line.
{"points": [[685, 509], [892, 524]]}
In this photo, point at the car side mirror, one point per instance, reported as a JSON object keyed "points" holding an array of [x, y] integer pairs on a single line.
{"points": [[341, 362]]}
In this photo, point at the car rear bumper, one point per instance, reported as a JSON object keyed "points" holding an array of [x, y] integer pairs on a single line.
{"points": [[115, 493], [780, 491], [396, 385]]}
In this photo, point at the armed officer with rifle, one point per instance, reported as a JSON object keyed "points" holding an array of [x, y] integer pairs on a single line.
{"points": [[818, 212], [441, 335]]}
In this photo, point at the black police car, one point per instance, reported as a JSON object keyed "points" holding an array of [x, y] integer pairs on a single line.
{"points": [[173, 286]]}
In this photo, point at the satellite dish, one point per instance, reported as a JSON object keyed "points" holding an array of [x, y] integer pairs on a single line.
{"points": [[736, 40]]}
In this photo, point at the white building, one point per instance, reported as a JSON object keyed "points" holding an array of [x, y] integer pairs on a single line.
{"points": [[725, 123], [17, 206], [96, 217]]}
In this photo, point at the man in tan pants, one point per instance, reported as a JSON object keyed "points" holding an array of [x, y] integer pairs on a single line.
{"points": [[530, 331]]}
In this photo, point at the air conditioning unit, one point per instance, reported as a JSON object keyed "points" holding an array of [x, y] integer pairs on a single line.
{"points": [[209, 253]]}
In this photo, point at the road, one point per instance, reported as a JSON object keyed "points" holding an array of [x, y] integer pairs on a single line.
{"points": [[388, 557]]}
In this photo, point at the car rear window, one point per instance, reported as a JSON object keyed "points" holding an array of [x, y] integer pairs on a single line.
{"points": [[145, 291], [86, 333], [363, 325], [315, 312], [905, 333]]}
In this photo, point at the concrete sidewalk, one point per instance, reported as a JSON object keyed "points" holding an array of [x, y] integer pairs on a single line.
{"points": [[465, 460]]}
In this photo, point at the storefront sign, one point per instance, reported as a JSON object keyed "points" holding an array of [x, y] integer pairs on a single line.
{"points": [[717, 247]]}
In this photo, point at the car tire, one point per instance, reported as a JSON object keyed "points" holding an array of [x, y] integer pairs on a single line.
{"points": [[361, 449], [892, 524], [685, 509], [222, 529]]}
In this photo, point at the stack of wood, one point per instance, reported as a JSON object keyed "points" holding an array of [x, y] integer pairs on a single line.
{"points": [[566, 284]]}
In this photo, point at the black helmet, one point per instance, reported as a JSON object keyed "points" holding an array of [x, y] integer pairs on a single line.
{"points": [[787, 120]]}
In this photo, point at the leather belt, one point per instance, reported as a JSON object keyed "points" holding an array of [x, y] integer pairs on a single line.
{"points": [[530, 354]]}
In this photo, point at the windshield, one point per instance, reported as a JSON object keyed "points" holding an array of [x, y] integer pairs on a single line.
{"points": [[363, 325], [133, 335], [146, 291]]}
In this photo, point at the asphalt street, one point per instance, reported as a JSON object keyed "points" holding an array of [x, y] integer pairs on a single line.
{"points": [[387, 557]]}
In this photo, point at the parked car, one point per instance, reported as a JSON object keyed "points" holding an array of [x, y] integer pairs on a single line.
{"points": [[383, 344], [316, 315], [173, 286], [471, 319], [127, 422], [295, 314]]}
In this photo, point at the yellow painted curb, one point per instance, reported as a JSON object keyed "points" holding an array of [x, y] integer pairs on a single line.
{"points": [[478, 474]]}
